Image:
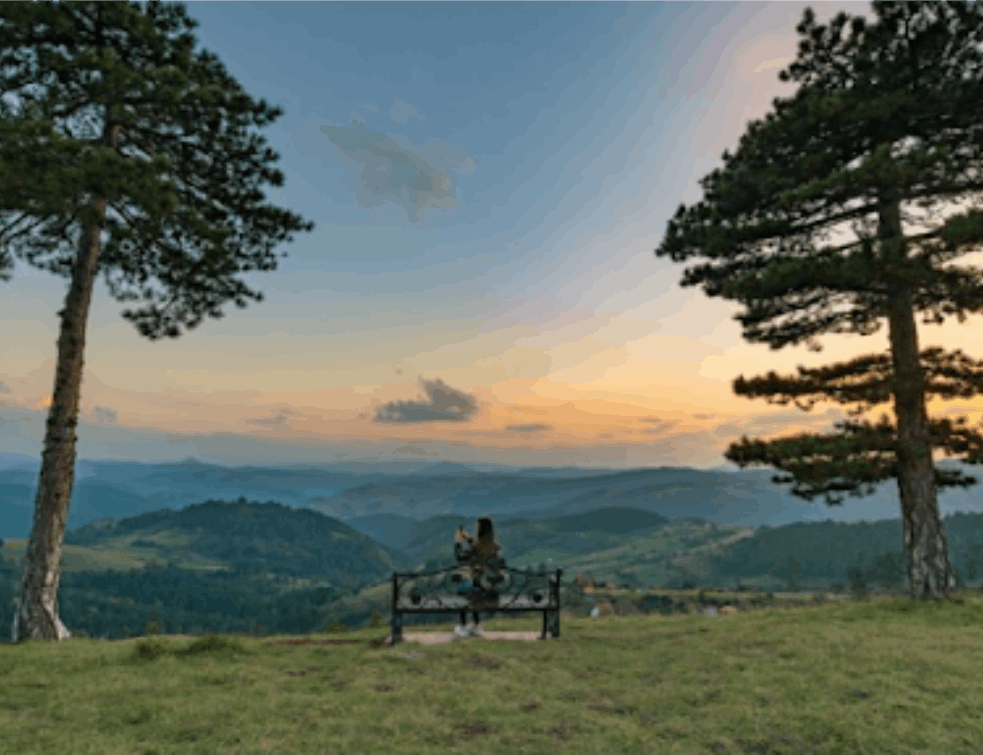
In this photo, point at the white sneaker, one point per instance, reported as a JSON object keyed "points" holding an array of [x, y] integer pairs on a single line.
{"points": [[477, 631], [462, 631]]}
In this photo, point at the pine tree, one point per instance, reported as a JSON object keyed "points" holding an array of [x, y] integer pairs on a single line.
{"points": [[125, 153], [885, 117]]}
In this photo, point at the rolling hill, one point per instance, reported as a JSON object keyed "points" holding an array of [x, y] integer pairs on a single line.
{"points": [[244, 536], [245, 566], [225, 566]]}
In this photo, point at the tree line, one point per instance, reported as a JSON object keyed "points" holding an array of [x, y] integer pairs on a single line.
{"points": [[256, 598]]}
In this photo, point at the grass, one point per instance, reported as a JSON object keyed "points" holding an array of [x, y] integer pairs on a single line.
{"points": [[878, 676]]}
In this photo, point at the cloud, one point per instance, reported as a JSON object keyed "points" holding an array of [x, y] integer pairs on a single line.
{"points": [[445, 404], [4, 388], [704, 416], [106, 415], [386, 171], [766, 425], [282, 416], [402, 112], [415, 451], [278, 420], [528, 428], [659, 425], [526, 410]]}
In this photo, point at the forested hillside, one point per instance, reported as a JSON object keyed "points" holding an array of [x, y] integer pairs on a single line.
{"points": [[238, 566], [250, 536], [263, 567], [822, 553]]}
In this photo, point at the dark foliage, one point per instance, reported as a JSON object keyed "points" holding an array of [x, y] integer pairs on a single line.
{"points": [[258, 536], [886, 113], [819, 555], [121, 604], [113, 101]]}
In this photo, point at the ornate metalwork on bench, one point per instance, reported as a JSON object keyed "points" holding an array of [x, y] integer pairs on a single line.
{"points": [[451, 590]]}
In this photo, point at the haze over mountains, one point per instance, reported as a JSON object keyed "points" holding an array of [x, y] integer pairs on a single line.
{"points": [[247, 565], [264, 567], [377, 499]]}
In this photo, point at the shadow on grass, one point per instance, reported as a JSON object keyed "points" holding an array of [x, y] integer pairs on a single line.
{"points": [[153, 648]]}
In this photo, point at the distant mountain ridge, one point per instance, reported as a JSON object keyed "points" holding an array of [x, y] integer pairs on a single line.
{"points": [[416, 491], [748, 497]]}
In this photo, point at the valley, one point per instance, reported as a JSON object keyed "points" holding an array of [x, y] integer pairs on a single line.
{"points": [[237, 564]]}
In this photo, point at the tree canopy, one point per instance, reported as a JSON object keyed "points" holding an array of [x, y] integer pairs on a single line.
{"points": [[124, 153], [889, 113], [887, 118], [111, 100]]}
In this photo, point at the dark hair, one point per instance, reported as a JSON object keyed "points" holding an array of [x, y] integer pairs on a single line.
{"points": [[486, 530]]}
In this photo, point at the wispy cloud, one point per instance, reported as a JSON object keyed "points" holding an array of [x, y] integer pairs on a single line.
{"points": [[4, 388], [415, 178], [106, 415], [415, 451], [403, 111], [659, 425], [444, 404], [280, 418], [528, 428]]}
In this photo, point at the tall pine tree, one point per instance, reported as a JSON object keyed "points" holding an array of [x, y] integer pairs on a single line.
{"points": [[886, 117], [123, 152]]}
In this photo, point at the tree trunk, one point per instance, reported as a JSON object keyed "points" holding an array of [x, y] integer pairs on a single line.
{"points": [[36, 615], [930, 573]]}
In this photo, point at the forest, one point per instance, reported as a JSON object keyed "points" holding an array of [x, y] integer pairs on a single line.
{"points": [[263, 568]]}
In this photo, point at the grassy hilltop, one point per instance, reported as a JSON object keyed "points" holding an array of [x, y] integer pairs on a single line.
{"points": [[878, 676], [242, 592]]}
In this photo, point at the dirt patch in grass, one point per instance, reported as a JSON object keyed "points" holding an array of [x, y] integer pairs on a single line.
{"points": [[480, 661], [469, 731]]}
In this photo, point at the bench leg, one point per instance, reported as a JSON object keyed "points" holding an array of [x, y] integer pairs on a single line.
{"points": [[543, 635], [396, 625], [556, 624], [464, 618]]}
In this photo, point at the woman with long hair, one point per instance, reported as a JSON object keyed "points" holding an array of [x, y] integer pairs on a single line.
{"points": [[481, 552]]}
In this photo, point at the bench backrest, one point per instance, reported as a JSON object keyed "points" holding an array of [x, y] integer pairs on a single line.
{"points": [[519, 588]]}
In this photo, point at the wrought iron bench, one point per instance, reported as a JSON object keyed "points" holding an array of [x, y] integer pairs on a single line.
{"points": [[441, 592]]}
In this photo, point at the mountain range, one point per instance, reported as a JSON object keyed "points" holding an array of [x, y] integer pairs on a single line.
{"points": [[379, 499], [249, 566]]}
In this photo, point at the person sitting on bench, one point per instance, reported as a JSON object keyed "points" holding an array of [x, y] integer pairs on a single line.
{"points": [[481, 553]]}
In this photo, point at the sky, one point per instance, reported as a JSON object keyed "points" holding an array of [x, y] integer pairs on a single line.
{"points": [[488, 183]]}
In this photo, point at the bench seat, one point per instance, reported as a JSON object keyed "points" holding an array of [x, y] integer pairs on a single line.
{"points": [[520, 591]]}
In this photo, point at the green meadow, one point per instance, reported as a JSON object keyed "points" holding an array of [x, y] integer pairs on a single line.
{"points": [[875, 675]]}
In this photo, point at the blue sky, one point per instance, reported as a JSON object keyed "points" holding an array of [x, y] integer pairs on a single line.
{"points": [[488, 182]]}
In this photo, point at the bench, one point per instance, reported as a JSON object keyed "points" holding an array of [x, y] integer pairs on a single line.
{"points": [[443, 591]]}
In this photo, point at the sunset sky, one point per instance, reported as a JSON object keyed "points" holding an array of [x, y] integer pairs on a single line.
{"points": [[488, 184]]}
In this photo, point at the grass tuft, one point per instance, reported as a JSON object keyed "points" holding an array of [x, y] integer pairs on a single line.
{"points": [[150, 649], [213, 643]]}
